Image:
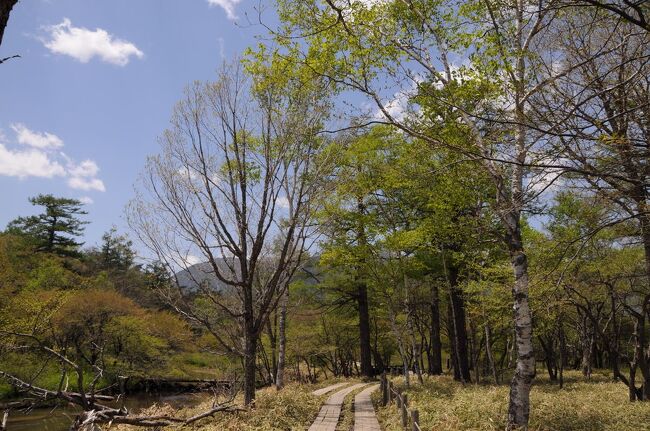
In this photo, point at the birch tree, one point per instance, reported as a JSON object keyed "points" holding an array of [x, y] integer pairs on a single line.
{"points": [[401, 53]]}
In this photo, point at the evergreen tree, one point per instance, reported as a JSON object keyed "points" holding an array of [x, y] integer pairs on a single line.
{"points": [[57, 229], [116, 250]]}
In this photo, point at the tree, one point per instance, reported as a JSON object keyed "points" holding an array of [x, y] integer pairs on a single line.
{"points": [[57, 229], [636, 12], [116, 251], [5, 10], [399, 54], [234, 186], [597, 115]]}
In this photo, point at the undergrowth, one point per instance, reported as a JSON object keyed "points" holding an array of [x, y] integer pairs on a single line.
{"points": [[292, 408], [598, 404]]}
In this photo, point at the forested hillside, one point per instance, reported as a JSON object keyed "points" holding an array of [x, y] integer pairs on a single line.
{"points": [[453, 194]]}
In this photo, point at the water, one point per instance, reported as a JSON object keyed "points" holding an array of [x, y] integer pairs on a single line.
{"points": [[60, 418]]}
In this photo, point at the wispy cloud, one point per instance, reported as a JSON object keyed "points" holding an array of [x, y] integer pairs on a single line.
{"points": [[35, 139], [226, 5], [87, 200], [43, 159], [83, 44]]}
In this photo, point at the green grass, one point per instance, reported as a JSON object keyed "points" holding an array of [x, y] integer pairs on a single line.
{"points": [[595, 405]]}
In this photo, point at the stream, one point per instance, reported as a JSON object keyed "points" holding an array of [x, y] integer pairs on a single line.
{"points": [[60, 418]]}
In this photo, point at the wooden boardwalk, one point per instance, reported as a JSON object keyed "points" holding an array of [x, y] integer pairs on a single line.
{"points": [[330, 388], [328, 417], [364, 412]]}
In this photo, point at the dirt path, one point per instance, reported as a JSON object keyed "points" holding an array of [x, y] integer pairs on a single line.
{"points": [[364, 412], [328, 417], [323, 391]]}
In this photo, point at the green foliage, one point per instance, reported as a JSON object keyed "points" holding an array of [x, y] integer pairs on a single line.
{"points": [[57, 229]]}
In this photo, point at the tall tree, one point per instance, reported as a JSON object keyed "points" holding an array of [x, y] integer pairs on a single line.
{"points": [[400, 54], [598, 119], [57, 229], [234, 187]]}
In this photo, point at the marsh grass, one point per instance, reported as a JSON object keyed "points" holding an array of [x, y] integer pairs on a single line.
{"points": [[595, 405], [292, 408]]}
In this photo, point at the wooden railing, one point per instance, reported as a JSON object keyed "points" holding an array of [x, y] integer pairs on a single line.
{"points": [[390, 393]]}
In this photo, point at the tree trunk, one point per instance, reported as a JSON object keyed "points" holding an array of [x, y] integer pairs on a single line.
{"points": [[644, 361], [273, 342], [519, 406], [250, 365], [488, 351], [459, 326], [282, 340], [364, 330], [401, 348], [435, 358], [365, 354], [562, 348], [415, 347]]}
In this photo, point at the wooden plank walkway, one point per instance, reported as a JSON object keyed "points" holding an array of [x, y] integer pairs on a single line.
{"points": [[364, 412], [327, 389], [328, 417]]}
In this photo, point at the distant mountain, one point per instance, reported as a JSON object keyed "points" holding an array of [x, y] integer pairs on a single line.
{"points": [[199, 274], [202, 274]]}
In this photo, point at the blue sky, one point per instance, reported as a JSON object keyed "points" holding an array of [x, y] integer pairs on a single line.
{"points": [[96, 84]]}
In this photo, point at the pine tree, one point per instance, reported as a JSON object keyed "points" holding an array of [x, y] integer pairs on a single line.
{"points": [[57, 229]]}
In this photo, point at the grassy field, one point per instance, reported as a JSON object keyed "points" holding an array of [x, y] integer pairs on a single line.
{"points": [[596, 405], [293, 408]]}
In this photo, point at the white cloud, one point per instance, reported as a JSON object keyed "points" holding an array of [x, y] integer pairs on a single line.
{"points": [[28, 163], [87, 200], [36, 139], [40, 160], [87, 168], [83, 176], [282, 202], [83, 44], [191, 259], [86, 184], [227, 5]]}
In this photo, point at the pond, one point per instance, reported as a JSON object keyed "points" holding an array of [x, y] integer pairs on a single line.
{"points": [[60, 418]]}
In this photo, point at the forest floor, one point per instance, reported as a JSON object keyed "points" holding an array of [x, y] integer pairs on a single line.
{"points": [[598, 404]]}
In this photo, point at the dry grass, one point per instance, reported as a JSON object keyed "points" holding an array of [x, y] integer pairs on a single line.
{"points": [[595, 405], [293, 408]]}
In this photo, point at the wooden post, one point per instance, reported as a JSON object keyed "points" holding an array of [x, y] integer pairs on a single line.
{"points": [[390, 392], [415, 420], [405, 416], [384, 394], [398, 398]]}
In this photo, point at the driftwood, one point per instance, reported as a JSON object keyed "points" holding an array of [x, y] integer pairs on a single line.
{"points": [[96, 414], [87, 421]]}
